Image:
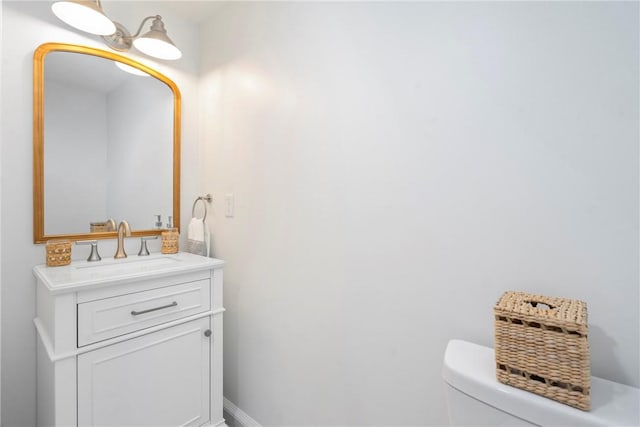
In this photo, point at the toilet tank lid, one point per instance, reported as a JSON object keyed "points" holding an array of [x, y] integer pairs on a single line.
{"points": [[470, 368]]}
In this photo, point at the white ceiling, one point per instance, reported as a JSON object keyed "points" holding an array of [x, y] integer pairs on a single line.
{"points": [[194, 10]]}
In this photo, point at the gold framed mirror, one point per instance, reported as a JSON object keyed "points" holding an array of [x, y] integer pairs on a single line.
{"points": [[105, 145]]}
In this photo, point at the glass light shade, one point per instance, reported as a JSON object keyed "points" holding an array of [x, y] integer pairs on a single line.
{"points": [[156, 42], [156, 47], [84, 15], [129, 69]]}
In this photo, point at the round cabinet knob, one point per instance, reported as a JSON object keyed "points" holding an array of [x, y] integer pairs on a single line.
{"points": [[207, 333]]}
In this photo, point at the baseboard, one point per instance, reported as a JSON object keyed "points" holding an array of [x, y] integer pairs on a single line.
{"points": [[240, 418]]}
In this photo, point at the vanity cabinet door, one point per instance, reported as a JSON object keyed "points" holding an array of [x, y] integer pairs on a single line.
{"points": [[159, 379]]}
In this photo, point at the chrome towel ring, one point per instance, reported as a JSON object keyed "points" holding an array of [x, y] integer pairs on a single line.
{"points": [[206, 198]]}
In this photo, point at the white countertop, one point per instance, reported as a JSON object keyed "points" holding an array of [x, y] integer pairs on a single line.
{"points": [[109, 271]]}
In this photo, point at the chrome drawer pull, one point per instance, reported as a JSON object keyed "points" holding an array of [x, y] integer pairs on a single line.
{"points": [[136, 313]]}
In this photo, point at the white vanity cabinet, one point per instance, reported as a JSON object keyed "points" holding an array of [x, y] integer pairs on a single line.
{"points": [[134, 342]]}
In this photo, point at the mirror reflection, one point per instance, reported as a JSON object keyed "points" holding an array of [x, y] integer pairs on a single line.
{"points": [[107, 147]]}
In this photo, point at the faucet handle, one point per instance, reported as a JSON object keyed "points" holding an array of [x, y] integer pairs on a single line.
{"points": [[94, 255], [144, 251]]}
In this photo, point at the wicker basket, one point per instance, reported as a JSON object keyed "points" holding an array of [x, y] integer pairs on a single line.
{"points": [[58, 253], [170, 239], [541, 346], [98, 227]]}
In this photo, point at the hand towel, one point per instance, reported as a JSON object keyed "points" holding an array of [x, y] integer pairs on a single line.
{"points": [[196, 238]]}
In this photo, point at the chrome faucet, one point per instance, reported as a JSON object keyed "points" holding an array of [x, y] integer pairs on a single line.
{"points": [[123, 231]]}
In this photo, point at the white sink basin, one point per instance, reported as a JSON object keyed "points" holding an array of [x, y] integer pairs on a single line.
{"points": [[126, 266], [139, 263]]}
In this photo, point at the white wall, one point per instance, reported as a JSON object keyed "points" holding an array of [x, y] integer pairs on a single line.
{"points": [[26, 25], [396, 167]]}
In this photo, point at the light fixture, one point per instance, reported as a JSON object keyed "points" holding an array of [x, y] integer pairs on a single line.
{"points": [[87, 15]]}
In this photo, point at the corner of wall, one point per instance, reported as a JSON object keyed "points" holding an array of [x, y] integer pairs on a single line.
{"points": [[236, 417]]}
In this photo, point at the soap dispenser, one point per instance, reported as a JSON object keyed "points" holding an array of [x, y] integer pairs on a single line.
{"points": [[158, 221]]}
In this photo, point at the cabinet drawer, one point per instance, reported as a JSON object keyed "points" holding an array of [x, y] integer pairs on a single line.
{"points": [[110, 317]]}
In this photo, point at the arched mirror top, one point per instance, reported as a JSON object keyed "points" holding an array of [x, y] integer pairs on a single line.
{"points": [[106, 145]]}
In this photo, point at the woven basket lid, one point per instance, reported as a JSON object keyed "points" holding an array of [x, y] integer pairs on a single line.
{"points": [[551, 310]]}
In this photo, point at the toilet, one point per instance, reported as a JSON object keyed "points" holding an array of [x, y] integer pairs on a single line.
{"points": [[476, 398]]}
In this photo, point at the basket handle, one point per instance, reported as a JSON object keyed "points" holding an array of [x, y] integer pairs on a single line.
{"points": [[543, 305]]}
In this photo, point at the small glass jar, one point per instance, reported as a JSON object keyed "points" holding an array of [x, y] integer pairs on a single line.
{"points": [[58, 253], [170, 241]]}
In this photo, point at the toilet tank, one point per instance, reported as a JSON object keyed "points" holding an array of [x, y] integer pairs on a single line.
{"points": [[476, 397]]}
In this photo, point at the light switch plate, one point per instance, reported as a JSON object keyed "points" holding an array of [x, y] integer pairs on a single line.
{"points": [[228, 205]]}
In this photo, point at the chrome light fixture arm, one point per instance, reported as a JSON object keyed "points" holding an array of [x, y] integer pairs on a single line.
{"points": [[122, 40]]}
